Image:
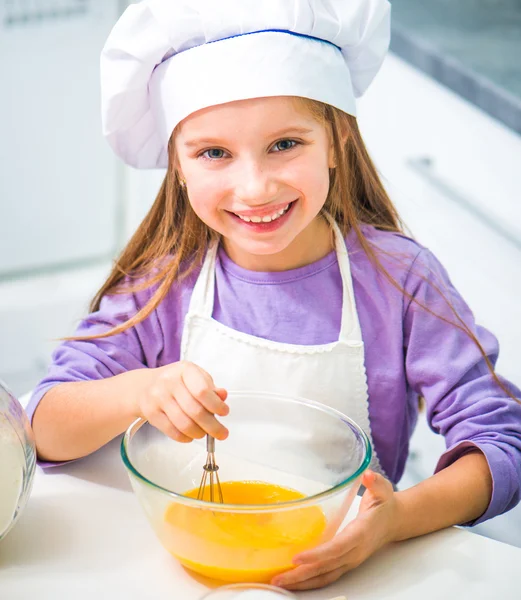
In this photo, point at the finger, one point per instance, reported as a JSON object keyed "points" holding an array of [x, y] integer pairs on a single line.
{"points": [[201, 386], [182, 421], [368, 478], [378, 485], [306, 572], [160, 421], [317, 582], [378, 491], [222, 393], [206, 421], [342, 543]]}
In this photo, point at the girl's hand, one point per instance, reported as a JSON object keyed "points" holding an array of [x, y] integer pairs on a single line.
{"points": [[362, 537], [181, 400]]}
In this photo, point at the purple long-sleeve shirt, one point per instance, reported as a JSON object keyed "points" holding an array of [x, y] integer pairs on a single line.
{"points": [[408, 351]]}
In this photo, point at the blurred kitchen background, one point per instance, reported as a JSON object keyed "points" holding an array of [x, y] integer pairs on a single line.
{"points": [[442, 120]]}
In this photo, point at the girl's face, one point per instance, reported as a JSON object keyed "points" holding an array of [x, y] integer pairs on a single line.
{"points": [[257, 172]]}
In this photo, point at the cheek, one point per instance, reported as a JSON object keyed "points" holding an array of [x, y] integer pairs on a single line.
{"points": [[311, 179], [204, 194], [200, 179]]}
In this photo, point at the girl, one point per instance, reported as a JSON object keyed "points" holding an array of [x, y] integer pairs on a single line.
{"points": [[272, 259]]}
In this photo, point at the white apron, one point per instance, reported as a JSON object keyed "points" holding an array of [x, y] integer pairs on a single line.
{"points": [[333, 374]]}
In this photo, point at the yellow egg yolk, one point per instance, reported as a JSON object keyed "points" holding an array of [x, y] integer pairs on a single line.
{"points": [[242, 547]]}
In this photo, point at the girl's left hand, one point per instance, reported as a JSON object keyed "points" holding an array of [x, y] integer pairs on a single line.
{"points": [[362, 537]]}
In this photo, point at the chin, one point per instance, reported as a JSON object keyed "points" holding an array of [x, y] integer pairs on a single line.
{"points": [[262, 249]]}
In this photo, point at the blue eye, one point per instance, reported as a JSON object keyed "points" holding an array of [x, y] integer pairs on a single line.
{"points": [[283, 145], [213, 153]]}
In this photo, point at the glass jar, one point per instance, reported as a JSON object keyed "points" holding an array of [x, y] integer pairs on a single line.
{"points": [[17, 459]]}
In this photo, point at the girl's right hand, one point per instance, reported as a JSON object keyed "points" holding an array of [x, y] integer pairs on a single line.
{"points": [[181, 400]]}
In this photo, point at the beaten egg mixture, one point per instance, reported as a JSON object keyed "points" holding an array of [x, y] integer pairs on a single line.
{"points": [[237, 547]]}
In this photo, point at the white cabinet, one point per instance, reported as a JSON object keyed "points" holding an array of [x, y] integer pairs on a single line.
{"points": [[59, 198], [455, 176]]}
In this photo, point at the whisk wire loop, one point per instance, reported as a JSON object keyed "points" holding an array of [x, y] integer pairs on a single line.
{"points": [[210, 479]]}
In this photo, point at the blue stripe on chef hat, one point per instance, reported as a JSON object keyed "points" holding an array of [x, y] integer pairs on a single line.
{"points": [[302, 35]]}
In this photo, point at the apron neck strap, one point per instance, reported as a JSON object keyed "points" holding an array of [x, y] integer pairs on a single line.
{"points": [[350, 326], [202, 300]]}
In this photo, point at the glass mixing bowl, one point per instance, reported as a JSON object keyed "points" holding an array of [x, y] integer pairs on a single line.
{"points": [[17, 460], [312, 458]]}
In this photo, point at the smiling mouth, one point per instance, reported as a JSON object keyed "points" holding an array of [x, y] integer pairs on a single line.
{"points": [[266, 218]]}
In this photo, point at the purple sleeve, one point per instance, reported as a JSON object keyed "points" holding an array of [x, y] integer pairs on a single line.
{"points": [[464, 403], [135, 348]]}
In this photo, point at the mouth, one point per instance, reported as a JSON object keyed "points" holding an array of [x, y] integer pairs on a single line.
{"points": [[265, 218], [266, 222]]}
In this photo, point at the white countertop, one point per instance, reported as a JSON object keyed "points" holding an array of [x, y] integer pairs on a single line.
{"points": [[83, 536]]}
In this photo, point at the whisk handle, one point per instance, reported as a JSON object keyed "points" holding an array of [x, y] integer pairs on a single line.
{"points": [[210, 443]]}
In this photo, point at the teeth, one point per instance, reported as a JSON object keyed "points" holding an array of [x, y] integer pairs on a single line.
{"points": [[267, 218]]}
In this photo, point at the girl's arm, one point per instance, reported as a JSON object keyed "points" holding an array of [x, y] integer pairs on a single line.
{"points": [[180, 399], [84, 400], [464, 402], [74, 419], [455, 495]]}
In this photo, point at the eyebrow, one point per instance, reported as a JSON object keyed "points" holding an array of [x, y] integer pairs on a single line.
{"points": [[275, 134]]}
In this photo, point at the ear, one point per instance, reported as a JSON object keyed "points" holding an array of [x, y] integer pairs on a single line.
{"points": [[332, 158], [344, 135], [178, 171]]}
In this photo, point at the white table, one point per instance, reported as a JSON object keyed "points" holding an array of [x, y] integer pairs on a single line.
{"points": [[83, 536]]}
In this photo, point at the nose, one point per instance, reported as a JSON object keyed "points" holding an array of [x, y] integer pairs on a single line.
{"points": [[255, 185]]}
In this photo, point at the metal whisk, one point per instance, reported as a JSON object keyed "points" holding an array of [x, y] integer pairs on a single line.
{"points": [[210, 478]]}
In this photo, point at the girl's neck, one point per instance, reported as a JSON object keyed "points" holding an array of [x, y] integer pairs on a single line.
{"points": [[312, 244]]}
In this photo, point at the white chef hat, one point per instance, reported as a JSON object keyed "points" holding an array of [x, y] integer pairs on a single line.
{"points": [[166, 59]]}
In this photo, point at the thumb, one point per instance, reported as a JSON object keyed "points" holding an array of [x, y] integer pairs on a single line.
{"points": [[377, 486], [222, 393]]}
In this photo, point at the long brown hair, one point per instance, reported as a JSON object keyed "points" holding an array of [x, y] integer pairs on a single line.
{"points": [[172, 241]]}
